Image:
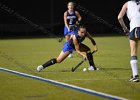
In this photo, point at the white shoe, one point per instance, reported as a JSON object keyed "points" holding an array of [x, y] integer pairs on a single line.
{"points": [[135, 79], [92, 68], [39, 68], [70, 55]]}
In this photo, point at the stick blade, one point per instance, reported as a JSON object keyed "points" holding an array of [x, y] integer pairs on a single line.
{"points": [[72, 69]]}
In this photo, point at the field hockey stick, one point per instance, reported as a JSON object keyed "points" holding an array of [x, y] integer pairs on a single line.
{"points": [[80, 63], [61, 39]]}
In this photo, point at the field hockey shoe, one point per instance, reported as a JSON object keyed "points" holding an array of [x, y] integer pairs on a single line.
{"points": [[70, 55], [93, 68], [39, 68], [134, 79]]}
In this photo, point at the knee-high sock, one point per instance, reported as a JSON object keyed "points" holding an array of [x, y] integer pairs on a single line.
{"points": [[90, 59], [134, 65], [49, 63]]}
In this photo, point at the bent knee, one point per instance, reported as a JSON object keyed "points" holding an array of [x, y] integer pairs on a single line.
{"points": [[58, 60]]}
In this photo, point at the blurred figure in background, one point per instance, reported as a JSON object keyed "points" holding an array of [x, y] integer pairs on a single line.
{"points": [[71, 20]]}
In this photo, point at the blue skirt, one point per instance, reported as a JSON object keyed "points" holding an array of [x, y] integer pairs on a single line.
{"points": [[135, 33], [68, 47], [72, 28]]}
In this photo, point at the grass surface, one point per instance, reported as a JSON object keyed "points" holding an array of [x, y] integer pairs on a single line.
{"points": [[25, 55]]}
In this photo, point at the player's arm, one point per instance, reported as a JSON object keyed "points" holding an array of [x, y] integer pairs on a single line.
{"points": [[76, 45], [79, 17], [65, 21], [120, 18], [92, 41]]}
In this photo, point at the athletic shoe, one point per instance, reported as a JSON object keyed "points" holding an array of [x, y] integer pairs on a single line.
{"points": [[39, 68], [131, 78], [134, 79], [93, 68], [70, 55]]}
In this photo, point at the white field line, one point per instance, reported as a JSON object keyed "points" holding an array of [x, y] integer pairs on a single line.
{"points": [[73, 87]]}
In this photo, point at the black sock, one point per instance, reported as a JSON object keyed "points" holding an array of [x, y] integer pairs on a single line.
{"points": [[50, 62], [90, 60]]}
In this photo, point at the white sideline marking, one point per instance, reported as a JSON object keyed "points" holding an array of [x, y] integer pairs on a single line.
{"points": [[88, 91]]}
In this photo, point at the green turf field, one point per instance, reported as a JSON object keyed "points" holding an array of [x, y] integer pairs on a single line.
{"points": [[24, 55]]}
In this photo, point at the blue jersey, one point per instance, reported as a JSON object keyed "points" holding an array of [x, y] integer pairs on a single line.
{"points": [[69, 46], [71, 18]]}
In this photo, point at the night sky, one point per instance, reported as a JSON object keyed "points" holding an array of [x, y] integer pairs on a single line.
{"points": [[51, 11]]}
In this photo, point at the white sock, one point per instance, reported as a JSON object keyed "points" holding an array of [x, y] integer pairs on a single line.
{"points": [[134, 67]]}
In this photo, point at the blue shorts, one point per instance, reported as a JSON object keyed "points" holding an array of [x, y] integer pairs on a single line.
{"points": [[135, 33], [68, 47], [72, 28]]}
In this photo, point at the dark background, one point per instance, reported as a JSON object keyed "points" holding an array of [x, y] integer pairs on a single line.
{"points": [[49, 15]]}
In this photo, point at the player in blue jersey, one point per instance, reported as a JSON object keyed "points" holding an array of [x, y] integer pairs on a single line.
{"points": [[75, 44], [71, 20]]}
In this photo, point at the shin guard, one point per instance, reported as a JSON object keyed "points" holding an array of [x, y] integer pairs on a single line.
{"points": [[49, 63]]}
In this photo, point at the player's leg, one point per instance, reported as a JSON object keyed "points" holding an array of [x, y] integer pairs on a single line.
{"points": [[85, 49], [62, 56], [53, 61], [134, 60], [73, 29], [67, 37]]}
